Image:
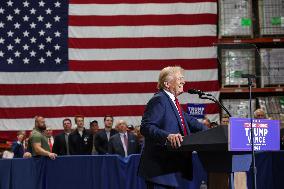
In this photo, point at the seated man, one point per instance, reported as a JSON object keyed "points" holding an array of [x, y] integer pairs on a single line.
{"points": [[123, 143]]}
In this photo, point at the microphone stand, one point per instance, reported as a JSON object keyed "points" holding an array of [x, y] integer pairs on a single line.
{"points": [[249, 76], [253, 167], [202, 96]]}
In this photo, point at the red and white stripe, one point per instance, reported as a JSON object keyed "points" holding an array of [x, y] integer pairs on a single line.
{"points": [[116, 50]]}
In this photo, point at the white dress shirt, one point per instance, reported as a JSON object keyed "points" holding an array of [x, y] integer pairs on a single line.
{"points": [[123, 143], [172, 97]]}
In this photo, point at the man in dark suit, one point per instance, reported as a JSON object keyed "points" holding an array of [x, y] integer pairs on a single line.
{"points": [[60, 145], [103, 136], [94, 128], [164, 122], [17, 146], [80, 140], [123, 143]]}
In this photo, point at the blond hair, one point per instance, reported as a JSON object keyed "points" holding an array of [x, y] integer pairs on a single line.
{"points": [[259, 110], [225, 116], [121, 122], [167, 74]]}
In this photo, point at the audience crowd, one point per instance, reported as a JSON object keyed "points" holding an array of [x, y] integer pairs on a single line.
{"points": [[122, 140]]}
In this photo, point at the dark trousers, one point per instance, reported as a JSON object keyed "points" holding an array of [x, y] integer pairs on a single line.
{"points": [[151, 185]]}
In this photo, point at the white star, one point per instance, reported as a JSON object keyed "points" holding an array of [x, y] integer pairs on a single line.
{"points": [[26, 18], [17, 11], [2, 10], [57, 60], [17, 54], [10, 47], [33, 25], [56, 18], [57, 34], [41, 60], [10, 3], [57, 47], [10, 33], [32, 11], [26, 60], [26, 47], [2, 40], [33, 53], [26, 33], [41, 3], [33, 40], [9, 17], [17, 40], [41, 33], [1, 54], [48, 11], [48, 39], [17, 25], [57, 4], [48, 53], [2, 25], [40, 18], [41, 46], [48, 25], [26, 4], [10, 60]]}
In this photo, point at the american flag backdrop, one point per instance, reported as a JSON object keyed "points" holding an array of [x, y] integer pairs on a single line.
{"points": [[96, 57]]}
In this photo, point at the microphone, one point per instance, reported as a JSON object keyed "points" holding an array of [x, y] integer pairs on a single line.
{"points": [[199, 92]]}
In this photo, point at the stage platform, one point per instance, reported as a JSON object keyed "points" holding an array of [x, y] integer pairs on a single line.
{"points": [[113, 172]]}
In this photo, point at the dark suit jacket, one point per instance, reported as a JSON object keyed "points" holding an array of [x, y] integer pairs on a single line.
{"points": [[18, 150], [59, 145], [101, 142], [115, 145], [80, 145], [160, 119]]}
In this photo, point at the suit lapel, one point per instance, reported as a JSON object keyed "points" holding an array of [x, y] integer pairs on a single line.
{"points": [[63, 140], [120, 142], [173, 108], [105, 134], [176, 113], [111, 132], [129, 137]]}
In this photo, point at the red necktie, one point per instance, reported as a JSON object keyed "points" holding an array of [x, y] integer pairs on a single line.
{"points": [[181, 117], [50, 144]]}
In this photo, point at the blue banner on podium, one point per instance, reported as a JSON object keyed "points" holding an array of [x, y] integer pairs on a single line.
{"points": [[266, 134]]}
